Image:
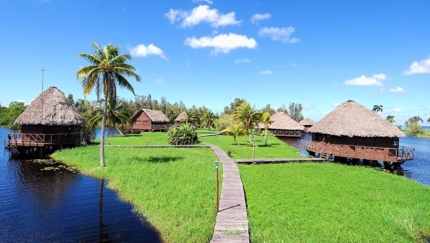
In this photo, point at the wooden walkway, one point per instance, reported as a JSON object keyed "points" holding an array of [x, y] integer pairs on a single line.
{"points": [[232, 219], [278, 160]]}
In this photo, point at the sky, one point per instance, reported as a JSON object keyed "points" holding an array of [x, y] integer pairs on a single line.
{"points": [[208, 52]]}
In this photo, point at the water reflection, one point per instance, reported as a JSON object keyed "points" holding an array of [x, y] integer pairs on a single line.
{"points": [[59, 206]]}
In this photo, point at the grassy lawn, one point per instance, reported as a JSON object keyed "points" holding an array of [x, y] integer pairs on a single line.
{"points": [[327, 202], [145, 138], [275, 148], [174, 189]]}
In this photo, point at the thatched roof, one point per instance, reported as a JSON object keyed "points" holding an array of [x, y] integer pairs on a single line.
{"points": [[155, 116], [57, 111], [181, 116], [354, 120], [307, 122], [282, 121]]}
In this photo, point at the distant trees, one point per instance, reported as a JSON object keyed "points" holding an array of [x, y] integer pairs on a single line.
{"points": [[413, 127], [247, 116], [115, 116], [9, 114], [390, 118], [232, 108], [377, 108], [413, 120], [208, 119], [295, 111]]}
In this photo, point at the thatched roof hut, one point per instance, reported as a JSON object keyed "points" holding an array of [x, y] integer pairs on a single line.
{"points": [[307, 122], [354, 120], [282, 121], [57, 111], [153, 115], [181, 116], [284, 126]]}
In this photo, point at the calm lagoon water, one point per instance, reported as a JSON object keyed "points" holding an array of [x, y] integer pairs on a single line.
{"points": [[60, 206]]}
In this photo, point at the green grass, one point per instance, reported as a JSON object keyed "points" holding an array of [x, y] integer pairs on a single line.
{"points": [[146, 138], [327, 202], [174, 189], [275, 148]]}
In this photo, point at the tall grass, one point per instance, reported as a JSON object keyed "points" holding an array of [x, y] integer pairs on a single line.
{"points": [[275, 148], [326, 202], [174, 189]]}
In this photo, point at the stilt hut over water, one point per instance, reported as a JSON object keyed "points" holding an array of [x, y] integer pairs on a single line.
{"points": [[352, 131], [283, 126], [178, 120], [150, 120], [50, 120], [307, 123]]}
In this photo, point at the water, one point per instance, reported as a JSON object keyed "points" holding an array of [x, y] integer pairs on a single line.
{"points": [[417, 169], [60, 206]]}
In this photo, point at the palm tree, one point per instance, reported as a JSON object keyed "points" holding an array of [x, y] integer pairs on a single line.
{"points": [[115, 116], [377, 108], [390, 118], [208, 119], [248, 116], [413, 120], [265, 119], [234, 129], [107, 69], [428, 120]]}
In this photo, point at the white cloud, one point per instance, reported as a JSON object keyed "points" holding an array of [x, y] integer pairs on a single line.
{"points": [[281, 34], [221, 43], [159, 80], [258, 17], [397, 90], [397, 110], [200, 14], [206, 1], [244, 60], [418, 67], [266, 72], [143, 51], [335, 104], [375, 80]]}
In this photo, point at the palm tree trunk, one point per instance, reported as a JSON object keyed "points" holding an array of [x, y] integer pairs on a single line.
{"points": [[265, 137], [119, 131], [102, 135]]}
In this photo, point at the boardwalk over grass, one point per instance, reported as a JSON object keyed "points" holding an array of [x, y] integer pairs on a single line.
{"points": [[232, 220]]}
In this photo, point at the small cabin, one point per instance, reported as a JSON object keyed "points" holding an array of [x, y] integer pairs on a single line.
{"points": [[150, 120], [353, 132], [307, 123], [50, 120], [180, 118], [284, 126]]}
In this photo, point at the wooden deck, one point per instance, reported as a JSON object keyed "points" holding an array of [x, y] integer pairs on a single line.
{"points": [[395, 155], [278, 160], [232, 219]]}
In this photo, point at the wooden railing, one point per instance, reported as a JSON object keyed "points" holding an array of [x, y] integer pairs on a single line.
{"points": [[39, 140], [164, 127], [400, 154], [286, 133]]}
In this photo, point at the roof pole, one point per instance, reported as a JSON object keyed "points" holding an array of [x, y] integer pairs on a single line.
{"points": [[43, 70]]}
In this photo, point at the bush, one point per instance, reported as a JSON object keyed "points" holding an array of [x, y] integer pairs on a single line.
{"points": [[183, 135], [414, 129]]}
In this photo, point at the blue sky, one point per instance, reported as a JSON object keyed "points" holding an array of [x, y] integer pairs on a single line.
{"points": [[319, 54]]}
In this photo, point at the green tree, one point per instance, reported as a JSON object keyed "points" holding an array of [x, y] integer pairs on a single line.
{"points": [[269, 109], [390, 118], [234, 129], [208, 119], [9, 114], [265, 119], [232, 108], [115, 116], [413, 120], [247, 116], [295, 111], [377, 108], [282, 109], [108, 69]]}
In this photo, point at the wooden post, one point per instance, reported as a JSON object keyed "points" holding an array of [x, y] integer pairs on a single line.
{"points": [[216, 176]]}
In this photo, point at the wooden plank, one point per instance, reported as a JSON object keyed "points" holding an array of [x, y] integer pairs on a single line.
{"points": [[232, 219]]}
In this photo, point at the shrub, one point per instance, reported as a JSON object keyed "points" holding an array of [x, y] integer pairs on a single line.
{"points": [[414, 129], [183, 135]]}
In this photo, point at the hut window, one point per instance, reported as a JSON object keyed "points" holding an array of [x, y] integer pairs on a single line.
{"points": [[395, 143], [137, 122]]}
